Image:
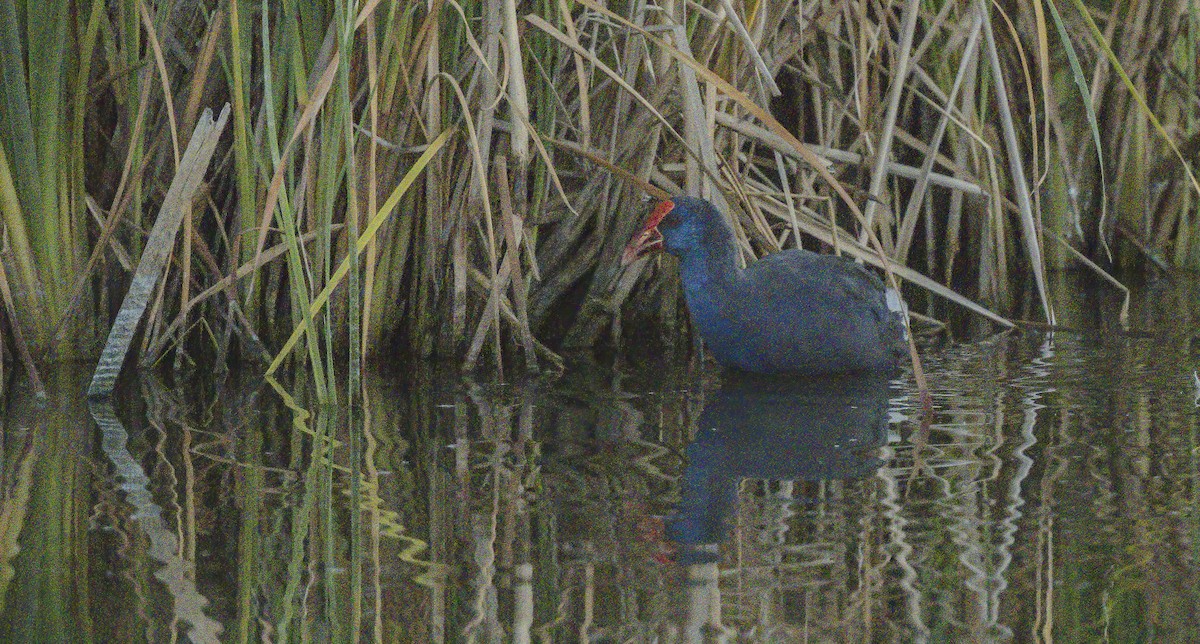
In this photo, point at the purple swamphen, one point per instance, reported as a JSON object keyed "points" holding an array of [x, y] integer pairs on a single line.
{"points": [[791, 312]]}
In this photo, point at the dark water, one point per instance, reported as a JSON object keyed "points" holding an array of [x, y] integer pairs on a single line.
{"points": [[1052, 494]]}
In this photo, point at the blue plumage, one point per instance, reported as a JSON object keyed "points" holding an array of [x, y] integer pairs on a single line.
{"points": [[794, 311]]}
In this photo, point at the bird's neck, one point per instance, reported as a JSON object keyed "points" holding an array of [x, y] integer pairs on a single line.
{"points": [[714, 264], [709, 273]]}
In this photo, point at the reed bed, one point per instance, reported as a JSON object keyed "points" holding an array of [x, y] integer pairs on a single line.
{"points": [[457, 178]]}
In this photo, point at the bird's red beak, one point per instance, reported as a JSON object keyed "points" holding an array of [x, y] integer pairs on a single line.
{"points": [[649, 239]]}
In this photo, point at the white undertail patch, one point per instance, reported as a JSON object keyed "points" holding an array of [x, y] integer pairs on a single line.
{"points": [[897, 306]]}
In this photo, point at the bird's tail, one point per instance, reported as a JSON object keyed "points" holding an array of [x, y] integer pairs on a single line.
{"points": [[899, 311]]}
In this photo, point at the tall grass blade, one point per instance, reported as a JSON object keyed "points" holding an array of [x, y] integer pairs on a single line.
{"points": [[908, 26], [1137, 96], [164, 78], [1030, 228], [360, 245], [18, 336], [244, 164], [1085, 96], [908, 223]]}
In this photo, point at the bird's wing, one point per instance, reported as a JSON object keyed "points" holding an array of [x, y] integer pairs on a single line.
{"points": [[797, 273]]}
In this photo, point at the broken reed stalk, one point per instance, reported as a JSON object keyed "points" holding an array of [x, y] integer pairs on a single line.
{"points": [[158, 248]]}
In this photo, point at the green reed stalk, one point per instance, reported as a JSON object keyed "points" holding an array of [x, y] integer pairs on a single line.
{"points": [[42, 202], [345, 23]]}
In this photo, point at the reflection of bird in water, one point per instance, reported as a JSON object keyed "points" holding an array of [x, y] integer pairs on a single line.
{"points": [[766, 427], [771, 427]]}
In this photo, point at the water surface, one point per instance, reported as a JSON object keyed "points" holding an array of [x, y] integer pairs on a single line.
{"points": [[1051, 494]]}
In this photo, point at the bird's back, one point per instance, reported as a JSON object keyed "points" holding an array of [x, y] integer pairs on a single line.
{"points": [[797, 311]]}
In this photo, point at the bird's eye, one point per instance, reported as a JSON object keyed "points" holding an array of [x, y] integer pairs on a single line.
{"points": [[671, 220]]}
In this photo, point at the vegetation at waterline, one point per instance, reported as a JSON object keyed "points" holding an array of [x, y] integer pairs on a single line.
{"points": [[957, 139]]}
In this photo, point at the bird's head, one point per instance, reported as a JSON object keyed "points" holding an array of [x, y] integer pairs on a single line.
{"points": [[676, 225]]}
